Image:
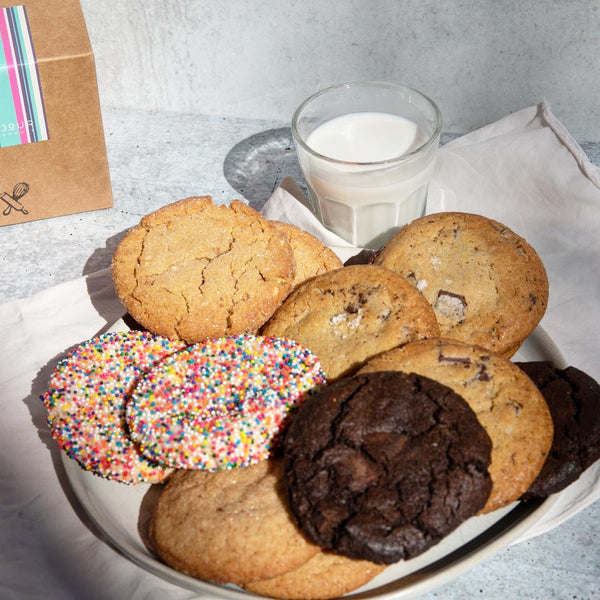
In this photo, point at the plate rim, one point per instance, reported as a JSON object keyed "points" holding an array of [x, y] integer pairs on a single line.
{"points": [[392, 590]]}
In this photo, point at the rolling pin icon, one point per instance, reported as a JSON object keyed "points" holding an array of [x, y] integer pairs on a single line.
{"points": [[14, 201]]}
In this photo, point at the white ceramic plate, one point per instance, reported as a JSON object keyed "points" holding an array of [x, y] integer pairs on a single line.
{"points": [[121, 512]]}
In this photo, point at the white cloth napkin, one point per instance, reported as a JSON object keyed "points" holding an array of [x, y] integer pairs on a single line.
{"points": [[524, 170]]}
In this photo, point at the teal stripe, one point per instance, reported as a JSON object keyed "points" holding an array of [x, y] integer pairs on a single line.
{"points": [[30, 72], [8, 115], [27, 73]]}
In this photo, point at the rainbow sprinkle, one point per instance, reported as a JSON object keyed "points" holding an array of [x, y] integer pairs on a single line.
{"points": [[86, 402], [222, 403]]}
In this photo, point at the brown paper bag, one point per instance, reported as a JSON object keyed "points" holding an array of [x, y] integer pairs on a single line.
{"points": [[52, 150]]}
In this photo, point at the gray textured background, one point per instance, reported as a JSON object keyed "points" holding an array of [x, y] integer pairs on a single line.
{"points": [[193, 91], [259, 59]]}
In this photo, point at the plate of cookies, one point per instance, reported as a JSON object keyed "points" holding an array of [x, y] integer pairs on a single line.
{"points": [[268, 421]]}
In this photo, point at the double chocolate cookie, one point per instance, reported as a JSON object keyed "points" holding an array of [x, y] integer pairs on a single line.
{"points": [[507, 403], [382, 466], [573, 398]]}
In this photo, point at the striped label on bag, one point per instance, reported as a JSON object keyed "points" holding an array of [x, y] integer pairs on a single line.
{"points": [[22, 115]]}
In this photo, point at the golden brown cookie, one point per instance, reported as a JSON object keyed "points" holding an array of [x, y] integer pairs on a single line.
{"points": [[351, 314], [194, 269], [325, 575], [486, 284], [312, 256], [507, 403], [228, 526]]}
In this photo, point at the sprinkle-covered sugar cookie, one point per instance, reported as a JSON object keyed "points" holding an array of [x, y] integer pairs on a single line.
{"points": [[86, 401], [221, 403]]}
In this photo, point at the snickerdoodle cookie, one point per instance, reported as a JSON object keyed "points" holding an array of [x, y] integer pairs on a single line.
{"points": [[325, 575], [312, 256], [228, 526]]}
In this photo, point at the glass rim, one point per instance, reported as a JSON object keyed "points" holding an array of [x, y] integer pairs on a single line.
{"points": [[400, 158]]}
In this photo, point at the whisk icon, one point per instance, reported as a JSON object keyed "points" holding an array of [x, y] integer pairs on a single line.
{"points": [[14, 202]]}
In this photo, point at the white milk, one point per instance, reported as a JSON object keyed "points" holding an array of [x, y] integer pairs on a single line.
{"points": [[366, 137], [367, 203]]}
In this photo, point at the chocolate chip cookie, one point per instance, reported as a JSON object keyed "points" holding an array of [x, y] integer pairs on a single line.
{"points": [[573, 398], [506, 402], [348, 315], [194, 270], [486, 284], [382, 466]]}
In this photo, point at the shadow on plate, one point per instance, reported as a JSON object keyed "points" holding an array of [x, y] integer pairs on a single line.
{"points": [[38, 415], [255, 166], [147, 507]]}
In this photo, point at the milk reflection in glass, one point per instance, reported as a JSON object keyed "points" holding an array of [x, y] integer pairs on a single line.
{"points": [[361, 202]]}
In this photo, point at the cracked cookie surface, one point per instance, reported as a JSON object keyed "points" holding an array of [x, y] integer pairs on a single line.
{"points": [[486, 284], [507, 403], [348, 315], [194, 270], [381, 466]]}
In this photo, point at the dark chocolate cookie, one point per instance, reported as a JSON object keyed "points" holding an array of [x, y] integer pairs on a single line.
{"points": [[382, 466], [573, 398]]}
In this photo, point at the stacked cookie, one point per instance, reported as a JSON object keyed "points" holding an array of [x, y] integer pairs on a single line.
{"points": [[133, 406], [507, 403], [376, 468], [193, 269], [402, 418]]}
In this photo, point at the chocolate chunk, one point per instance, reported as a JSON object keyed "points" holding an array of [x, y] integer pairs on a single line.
{"points": [[382, 466], [450, 305], [459, 360], [364, 257]]}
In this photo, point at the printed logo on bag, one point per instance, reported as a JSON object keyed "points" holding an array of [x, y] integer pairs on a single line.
{"points": [[13, 201], [22, 114]]}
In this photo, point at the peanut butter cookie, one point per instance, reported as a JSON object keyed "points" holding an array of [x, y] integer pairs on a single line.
{"points": [[194, 269]]}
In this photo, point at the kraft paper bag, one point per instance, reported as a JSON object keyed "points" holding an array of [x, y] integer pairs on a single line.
{"points": [[52, 149]]}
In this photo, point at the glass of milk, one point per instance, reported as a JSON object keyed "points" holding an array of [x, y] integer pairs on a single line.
{"points": [[367, 152]]}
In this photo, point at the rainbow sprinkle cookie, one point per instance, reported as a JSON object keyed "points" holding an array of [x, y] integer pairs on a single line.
{"points": [[86, 403], [222, 403]]}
